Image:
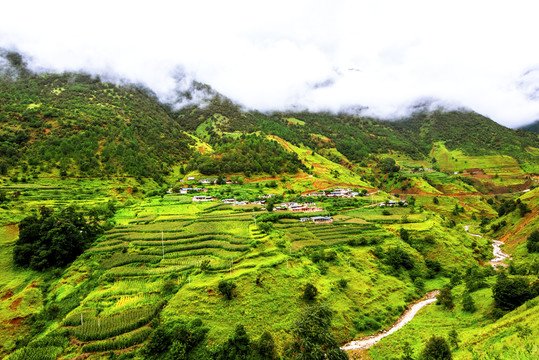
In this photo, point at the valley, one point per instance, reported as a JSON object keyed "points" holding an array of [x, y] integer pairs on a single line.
{"points": [[133, 230]]}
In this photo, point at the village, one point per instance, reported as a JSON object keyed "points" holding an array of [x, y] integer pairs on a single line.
{"points": [[296, 207]]}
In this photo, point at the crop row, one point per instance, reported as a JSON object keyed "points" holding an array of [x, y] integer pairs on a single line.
{"points": [[190, 241], [218, 253], [202, 245], [121, 342], [178, 219], [99, 328], [144, 231], [36, 353], [74, 319], [344, 228], [142, 271], [219, 219], [188, 236], [120, 259], [118, 247], [183, 261]]}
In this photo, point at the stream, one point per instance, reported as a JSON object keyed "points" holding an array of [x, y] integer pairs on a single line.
{"points": [[499, 255], [408, 315]]}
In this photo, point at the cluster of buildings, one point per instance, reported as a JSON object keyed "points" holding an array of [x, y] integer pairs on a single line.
{"points": [[347, 193]]}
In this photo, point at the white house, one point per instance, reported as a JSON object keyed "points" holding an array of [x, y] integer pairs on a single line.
{"points": [[202, 198]]}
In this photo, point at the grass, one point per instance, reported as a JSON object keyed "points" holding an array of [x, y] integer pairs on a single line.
{"points": [[455, 160]]}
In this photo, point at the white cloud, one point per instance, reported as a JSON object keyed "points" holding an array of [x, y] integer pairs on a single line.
{"points": [[384, 55]]}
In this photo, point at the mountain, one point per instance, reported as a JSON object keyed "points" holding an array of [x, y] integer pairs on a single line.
{"points": [[533, 127], [131, 228], [84, 126]]}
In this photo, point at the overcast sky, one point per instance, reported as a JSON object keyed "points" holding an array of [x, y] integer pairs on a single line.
{"points": [[320, 55]]}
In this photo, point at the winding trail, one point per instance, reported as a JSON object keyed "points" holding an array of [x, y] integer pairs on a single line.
{"points": [[499, 255], [368, 341]]}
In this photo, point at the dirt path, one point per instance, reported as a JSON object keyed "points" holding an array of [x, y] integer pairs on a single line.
{"points": [[499, 255], [407, 316]]}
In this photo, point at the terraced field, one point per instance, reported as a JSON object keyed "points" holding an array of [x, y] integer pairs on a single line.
{"points": [[138, 263], [313, 235]]}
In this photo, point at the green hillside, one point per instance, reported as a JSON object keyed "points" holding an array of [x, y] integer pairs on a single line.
{"points": [[108, 172]]}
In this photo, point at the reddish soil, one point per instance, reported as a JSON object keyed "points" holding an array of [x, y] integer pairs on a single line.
{"points": [[46, 131], [83, 277], [7, 295], [15, 304], [412, 192], [129, 190], [510, 239], [74, 341], [33, 285], [13, 230], [210, 292], [16, 321], [261, 179], [80, 357]]}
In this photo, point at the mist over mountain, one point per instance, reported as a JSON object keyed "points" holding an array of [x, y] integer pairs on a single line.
{"points": [[333, 57]]}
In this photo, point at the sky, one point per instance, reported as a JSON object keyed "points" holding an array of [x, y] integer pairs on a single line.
{"points": [[384, 57]]}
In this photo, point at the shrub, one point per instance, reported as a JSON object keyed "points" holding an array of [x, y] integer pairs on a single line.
{"points": [[343, 283], [313, 338], [509, 293], [364, 323], [310, 292], [265, 347], [468, 304], [532, 244], [436, 348], [226, 288], [397, 257], [445, 298]]}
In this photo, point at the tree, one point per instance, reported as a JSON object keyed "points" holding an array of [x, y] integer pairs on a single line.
{"points": [[523, 209], [509, 293], [468, 304], [436, 349], [175, 340], [264, 348], [227, 288], [532, 244], [53, 239], [397, 257], [407, 352], [159, 343], [237, 347], [454, 338], [310, 292], [312, 336], [445, 298], [435, 200], [388, 165], [404, 234]]}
